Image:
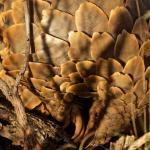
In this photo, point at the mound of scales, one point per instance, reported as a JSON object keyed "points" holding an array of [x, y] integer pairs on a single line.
{"points": [[83, 51]]}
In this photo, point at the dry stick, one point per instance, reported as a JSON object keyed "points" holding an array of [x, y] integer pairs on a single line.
{"points": [[29, 141], [138, 8], [18, 108], [16, 102], [28, 47], [18, 105], [133, 118], [132, 104], [140, 141]]}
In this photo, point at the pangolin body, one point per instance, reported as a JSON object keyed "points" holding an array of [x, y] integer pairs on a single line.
{"points": [[83, 49]]}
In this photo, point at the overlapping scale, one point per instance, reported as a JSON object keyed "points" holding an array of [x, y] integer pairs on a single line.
{"points": [[122, 81], [92, 81], [106, 6], [38, 6], [64, 86], [114, 118], [89, 18], [41, 70], [13, 61], [59, 80], [119, 19], [69, 6], [1, 7], [75, 77], [126, 46], [83, 50], [30, 100], [141, 29], [50, 49], [145, 49], [7, 4], [115, 92], [135, 67], [86, 68], [53, 21], [102, 45], [68, 68], [140, 88], [15, 37], [145, 52], [79, 50], [105, 68], [38, 83], [80, 89], [6, 20]]}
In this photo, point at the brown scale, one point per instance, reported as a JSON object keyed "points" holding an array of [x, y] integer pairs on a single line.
{"points": [[84, 50]]}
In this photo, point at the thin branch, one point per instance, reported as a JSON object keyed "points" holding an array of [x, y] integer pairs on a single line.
{"points": [[30, 141], [18, 107], [133, 118], [16, 103], [28, 47], [138, 8]]}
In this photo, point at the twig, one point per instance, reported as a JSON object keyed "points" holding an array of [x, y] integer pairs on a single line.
{"points": [[28, 47], [133, 118], [140, 141], [138, 8], [30, 141], [16, 103]]}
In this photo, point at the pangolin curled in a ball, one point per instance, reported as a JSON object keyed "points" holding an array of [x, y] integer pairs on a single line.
{"points": [[84, 51]]}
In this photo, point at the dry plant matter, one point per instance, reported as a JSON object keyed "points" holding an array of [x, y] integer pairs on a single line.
{"points": [[83, 64], [47, 132], [142, 140], [30, 141]]}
